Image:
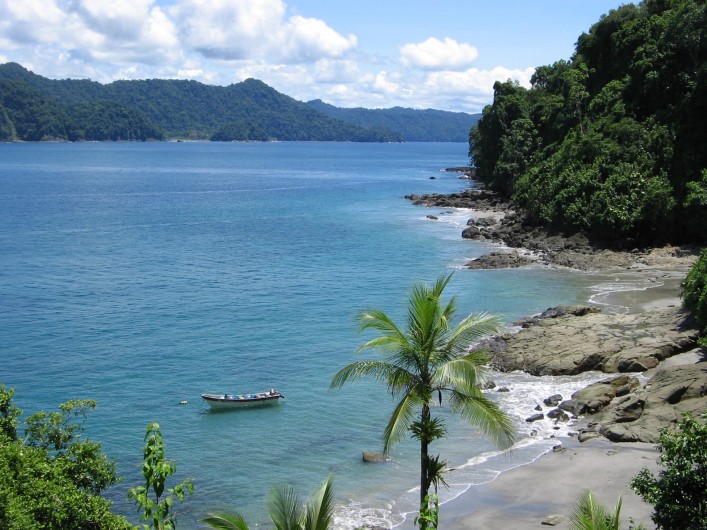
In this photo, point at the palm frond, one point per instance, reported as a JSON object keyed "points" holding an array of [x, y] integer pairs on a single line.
{"points": [[400, 421], [483, 413], [435, 471], [472, 329], [226, 521], [588, 514], [385, 344], [319, 512], [380, 370], [378, 320], [426, 318], [428, 431], [463, 373], [285, 508]]}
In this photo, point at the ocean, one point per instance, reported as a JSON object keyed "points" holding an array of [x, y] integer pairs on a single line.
{"points": [[144, 274]]}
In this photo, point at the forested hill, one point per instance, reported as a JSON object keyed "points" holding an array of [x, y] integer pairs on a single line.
{"points": [[414, 125], [613, 142], [33, 107]]}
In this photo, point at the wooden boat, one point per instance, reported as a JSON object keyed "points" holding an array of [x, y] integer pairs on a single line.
{"points": [[237, 401]]}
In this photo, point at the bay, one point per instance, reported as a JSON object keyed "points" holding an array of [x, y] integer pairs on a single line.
{"points": [[141, 275]]}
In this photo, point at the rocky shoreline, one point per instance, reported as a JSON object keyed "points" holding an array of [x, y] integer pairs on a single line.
{"points": [[491, 218], [658, 372], [656, 349]]}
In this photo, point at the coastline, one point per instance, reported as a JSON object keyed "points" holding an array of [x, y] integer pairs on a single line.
{"points": [[544, 491], [547, 488]]}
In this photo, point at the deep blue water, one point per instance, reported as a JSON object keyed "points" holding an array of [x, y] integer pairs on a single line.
{"points": [[141, 275]]}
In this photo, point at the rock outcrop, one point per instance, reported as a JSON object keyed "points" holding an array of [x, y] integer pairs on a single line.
{"points": [[568, 344], [639, 416], [571, 340]]}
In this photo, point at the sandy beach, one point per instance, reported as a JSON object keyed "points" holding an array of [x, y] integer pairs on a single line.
{"points": [[524, 497]]}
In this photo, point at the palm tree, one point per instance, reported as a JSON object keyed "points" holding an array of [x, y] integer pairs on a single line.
{"points": [[588, 514], [428, 359], [286, 510]]}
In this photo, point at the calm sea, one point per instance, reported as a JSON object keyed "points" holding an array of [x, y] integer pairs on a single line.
{"points": [[141, 275]]}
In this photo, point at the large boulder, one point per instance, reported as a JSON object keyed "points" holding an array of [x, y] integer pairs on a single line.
{"points": [[375, 457], [671, 393], [595, 397]]}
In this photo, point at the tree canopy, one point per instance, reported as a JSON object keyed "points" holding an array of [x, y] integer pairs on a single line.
{"points": [[612, 143], [52, 478]]}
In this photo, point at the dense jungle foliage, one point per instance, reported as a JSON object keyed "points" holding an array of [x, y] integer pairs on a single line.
{"points": [[612, 143], [35, 108], [25, 114]]}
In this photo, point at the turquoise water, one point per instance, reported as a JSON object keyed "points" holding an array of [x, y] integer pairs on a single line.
{"points": [[141, 275]]}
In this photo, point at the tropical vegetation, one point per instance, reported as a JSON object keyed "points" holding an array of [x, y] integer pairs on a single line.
{"points": [[678, 492], [425, 361], [154, 505], [612, 142], [286, 510], [694, 294], [588, 514], [52, 478]]}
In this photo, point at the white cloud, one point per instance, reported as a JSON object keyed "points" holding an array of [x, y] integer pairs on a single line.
{"points": [[475, 81], [308, 39], [386, 83], [434, 54], [255, 30], [227, 41], [228, 30]]}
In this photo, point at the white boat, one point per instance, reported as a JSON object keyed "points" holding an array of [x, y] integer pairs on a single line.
{"points": [[237, 401]]}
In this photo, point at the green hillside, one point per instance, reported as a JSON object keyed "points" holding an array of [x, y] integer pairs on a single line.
{"points": [[178, 109], [612, 143], [414, 125]]}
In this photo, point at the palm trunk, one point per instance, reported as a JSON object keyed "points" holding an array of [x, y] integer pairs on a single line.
{"points": [[424, 451]]}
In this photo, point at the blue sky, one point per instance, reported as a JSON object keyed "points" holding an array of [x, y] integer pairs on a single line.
{"points": [[442, 54]]}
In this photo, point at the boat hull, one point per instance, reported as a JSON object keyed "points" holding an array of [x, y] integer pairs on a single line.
{"points": [[241, 401]]}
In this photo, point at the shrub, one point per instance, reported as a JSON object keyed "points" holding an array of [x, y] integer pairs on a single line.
{"points": [[694, 293], [678, 493]]}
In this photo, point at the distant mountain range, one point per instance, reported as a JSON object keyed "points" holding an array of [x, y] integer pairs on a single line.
{"points": [[35, 108], [415, 125]]}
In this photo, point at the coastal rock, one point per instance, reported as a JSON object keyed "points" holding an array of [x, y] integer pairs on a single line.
{"points": [[374, 457], [553, 400], [555, 312], [513, 229], [671, 392], [586, 436], [596, 341], [535, 417], [553, 520], [497, 260], [472, 232], [558, 415], [573, 407], [598, 395]]}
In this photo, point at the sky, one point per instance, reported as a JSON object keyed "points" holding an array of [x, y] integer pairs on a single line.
{"points": [[440, 54]]}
